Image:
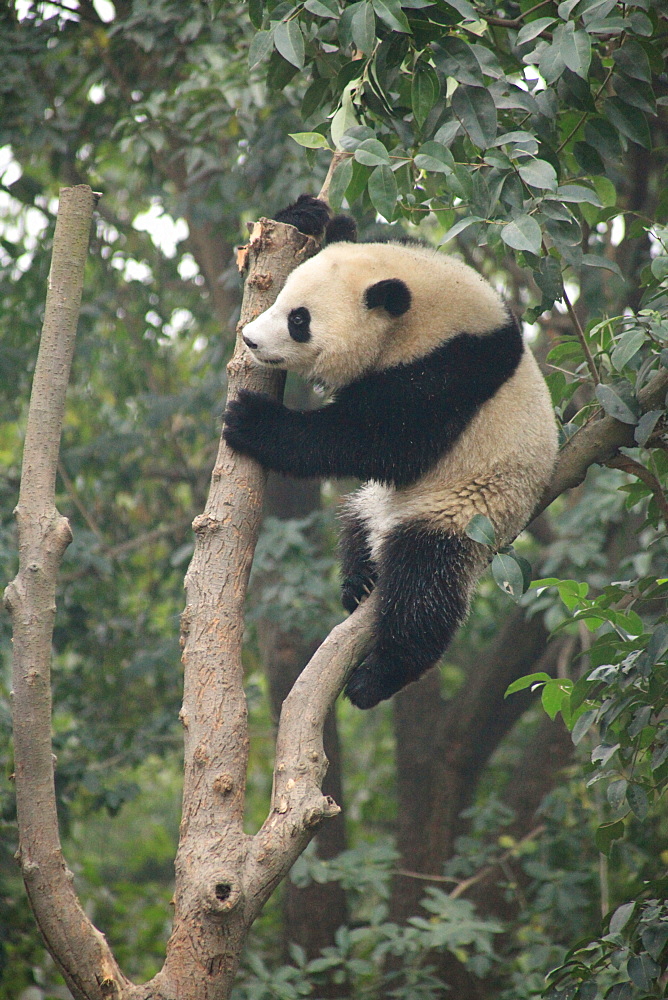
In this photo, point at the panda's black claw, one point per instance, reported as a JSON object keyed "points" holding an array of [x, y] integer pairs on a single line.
{"points": [[354, 589]]}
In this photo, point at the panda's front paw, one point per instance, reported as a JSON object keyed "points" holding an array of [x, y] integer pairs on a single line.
{"points": [[249, 422]]}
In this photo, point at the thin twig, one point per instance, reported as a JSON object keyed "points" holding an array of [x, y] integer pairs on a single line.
{"points": [[463, 886], [591, 364], [339, 156], [627, 464]]}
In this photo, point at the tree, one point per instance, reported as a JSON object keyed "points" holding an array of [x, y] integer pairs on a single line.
{"points": [[398, 107]]}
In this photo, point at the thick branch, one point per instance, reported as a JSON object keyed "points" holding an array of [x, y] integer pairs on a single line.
{"points": [[211, 906], [598, 441], [79, 950], [298, 805]]}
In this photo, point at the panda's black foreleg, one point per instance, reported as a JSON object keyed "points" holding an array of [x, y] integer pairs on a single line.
{"points": [[358, 570], [425, 578]]}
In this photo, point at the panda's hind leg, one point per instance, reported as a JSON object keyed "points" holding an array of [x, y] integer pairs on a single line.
{"points": [[358, 569], [425, 579]]}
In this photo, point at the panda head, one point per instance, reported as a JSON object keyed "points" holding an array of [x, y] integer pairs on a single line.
{"points": [[332, 317], [354, 308]]}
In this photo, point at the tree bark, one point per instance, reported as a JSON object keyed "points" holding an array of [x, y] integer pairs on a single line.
{"points": [[79, 950]]}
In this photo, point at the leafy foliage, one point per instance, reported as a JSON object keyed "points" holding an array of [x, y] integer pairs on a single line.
{"points": [[531, 140]]}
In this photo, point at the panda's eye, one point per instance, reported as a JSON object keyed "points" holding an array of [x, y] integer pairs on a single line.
{"points": [[299, 324]]}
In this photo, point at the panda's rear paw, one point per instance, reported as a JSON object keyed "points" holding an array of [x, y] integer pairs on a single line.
{"points": [[371, 683], [355, 589]]}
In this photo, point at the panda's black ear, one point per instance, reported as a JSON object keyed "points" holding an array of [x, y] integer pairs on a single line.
{"points": [[392, 294]]}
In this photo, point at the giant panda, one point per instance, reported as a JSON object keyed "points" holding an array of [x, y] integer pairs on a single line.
{"points": [[436, 404]]}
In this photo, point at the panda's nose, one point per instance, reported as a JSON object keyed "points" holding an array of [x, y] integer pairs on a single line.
{"points": [[249, 343]]}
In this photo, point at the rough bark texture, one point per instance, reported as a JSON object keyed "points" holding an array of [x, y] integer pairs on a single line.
{"points": [[80, 951]]}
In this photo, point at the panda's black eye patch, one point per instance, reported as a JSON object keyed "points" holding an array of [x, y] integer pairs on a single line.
{"points": [[299, 324]]}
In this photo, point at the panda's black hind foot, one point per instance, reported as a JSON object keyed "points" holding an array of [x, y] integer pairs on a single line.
{"points": [[371, 683]]}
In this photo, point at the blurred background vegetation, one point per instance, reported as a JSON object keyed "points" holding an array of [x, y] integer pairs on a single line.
{"points": [[482, 844]]}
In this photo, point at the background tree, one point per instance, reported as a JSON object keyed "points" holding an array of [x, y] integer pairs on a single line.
{"points": [[527, 129]]}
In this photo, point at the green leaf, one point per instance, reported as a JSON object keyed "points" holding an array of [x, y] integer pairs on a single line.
{"points": [[588, 158], [363, 28], [455, 58], [551, 63], [391, 13], [529, 680], [311, 140], [552, 697], [636, 93], [646, 426], [643, 970], [659, 268], [475, 108], [607, 833], [255, 12], [355, 136], [616, 405], [630, 121], [322, 8], [425, 89], [621, 917], [343, 175], [577, 193], [448, 132], [459, 227], [372, 153], [616, 792], [523, 233], [481, 529], [636, 796], [594, 260], [436, 157], [627, 347], [260, 48], [289, 41], [463, 7], [583, 725], [508, 574], [575, 50], [314, 97], [632, 60], [654, 939], [344, 119], [606, 191], [538, 174], [383, 191], [533, 29]]}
